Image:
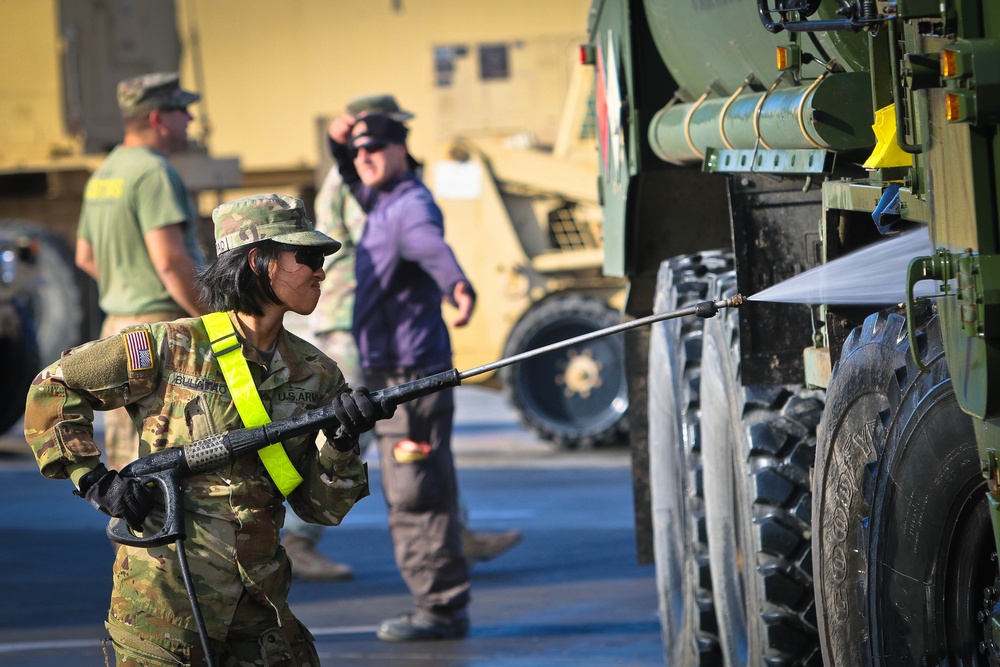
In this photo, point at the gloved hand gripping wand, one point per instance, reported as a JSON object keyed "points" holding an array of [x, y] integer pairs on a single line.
{"points": [[166, 468]]}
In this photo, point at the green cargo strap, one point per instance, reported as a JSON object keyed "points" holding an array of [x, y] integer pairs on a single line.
{"points": [[247, 400]]}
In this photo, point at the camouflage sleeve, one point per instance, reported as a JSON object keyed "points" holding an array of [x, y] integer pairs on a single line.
{"points": [[59, 412], [332, 480], [338, 215], [335, 483], [330, 206]]}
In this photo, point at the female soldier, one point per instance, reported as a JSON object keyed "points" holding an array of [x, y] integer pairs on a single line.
{"points": [[175, 380]]}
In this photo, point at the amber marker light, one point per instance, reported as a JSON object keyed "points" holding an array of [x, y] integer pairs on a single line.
{"points": [[782, 57], [949, 65], [952, 107]]}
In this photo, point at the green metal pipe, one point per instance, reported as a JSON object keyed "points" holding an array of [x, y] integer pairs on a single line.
{"points": [[835, 115]]}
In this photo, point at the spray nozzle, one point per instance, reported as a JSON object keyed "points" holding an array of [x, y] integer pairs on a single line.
{"points": [[708, 309]]}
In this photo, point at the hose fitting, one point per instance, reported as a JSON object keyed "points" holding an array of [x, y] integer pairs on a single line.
{"points": [[708, 309]]}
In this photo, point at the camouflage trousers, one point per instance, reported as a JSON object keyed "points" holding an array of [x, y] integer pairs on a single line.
{"points": [[121, 441], [253, 641]]}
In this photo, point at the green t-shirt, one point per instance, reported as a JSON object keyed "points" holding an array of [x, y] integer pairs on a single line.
{"points": [[134, 191]]}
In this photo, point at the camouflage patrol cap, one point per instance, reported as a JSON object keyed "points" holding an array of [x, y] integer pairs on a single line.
{"points": [[380, 104], [261, 217], [158, 90]]}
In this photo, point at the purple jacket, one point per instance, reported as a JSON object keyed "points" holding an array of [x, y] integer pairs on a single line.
{"points": [[404, 267]]}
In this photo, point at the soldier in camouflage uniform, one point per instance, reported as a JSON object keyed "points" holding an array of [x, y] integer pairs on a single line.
{"points": [[173, 387]]}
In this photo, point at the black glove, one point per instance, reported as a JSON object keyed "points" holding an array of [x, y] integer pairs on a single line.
{"points": [[357, 413], [123, 497]]}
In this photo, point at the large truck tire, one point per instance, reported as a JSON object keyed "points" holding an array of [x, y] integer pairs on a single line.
{"points": [[576, 397], [926, 539], [57, 301], [758, 447], [848, 440], [19, 358], [683, 578]]}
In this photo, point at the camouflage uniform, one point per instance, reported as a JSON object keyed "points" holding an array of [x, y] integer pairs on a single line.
{"points": [[339, 215], [174, 391]]}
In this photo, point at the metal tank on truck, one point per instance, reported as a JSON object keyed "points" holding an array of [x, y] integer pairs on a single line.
{"points": [[816, 480]]}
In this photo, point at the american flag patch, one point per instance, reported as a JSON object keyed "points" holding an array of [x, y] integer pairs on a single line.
{"points": [[139, 356]]}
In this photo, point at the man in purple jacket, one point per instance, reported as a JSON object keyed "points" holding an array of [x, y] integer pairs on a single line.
{"points": [[404, 269]]}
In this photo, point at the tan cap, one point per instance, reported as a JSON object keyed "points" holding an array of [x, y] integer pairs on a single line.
{"points": [[261, 217]]}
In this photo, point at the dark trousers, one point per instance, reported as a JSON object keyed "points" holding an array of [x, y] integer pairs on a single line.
{"points": [[422, 496]]}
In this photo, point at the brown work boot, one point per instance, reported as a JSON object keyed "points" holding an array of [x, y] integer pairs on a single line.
{"points": [[480, 546], [309, 564]]}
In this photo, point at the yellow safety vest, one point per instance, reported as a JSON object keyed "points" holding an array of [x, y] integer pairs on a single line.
{"points": [[247, 400]]}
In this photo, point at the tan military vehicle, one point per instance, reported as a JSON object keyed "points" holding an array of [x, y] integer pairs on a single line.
{"points": [[59, 65]]}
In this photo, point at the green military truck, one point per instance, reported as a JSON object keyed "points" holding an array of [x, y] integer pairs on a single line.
{"points": [[816, 482]]}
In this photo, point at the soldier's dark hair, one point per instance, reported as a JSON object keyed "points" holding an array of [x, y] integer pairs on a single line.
{"points": [[230, 283]]}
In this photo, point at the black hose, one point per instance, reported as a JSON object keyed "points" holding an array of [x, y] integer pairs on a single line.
{"points": [[193, 598]]}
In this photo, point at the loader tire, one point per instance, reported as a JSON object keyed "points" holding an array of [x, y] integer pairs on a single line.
{"points": [[57, 302], [680, 541], [576, 397], [19, 358], [759, 444], [927, 538]]}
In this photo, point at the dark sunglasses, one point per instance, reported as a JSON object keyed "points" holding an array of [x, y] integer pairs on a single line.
{"points": [[371, 148], [311, 257], [184, 109]]}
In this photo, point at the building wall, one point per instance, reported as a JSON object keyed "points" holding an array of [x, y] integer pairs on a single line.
{"points": [[270, 69]]}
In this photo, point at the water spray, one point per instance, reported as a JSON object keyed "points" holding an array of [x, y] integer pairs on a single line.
{"points": [[875, 274]]}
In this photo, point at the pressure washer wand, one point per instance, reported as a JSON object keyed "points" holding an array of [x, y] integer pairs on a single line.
{"points": [[452, 378], [311, 421], [703, 309]]}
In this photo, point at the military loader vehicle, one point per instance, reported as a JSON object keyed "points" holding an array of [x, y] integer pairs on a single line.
{"points": [[501, 127], [534, 253], [817, 484]]}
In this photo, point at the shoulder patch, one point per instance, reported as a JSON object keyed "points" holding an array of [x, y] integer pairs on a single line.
{"points": [[137, 347], [96, 366]]}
